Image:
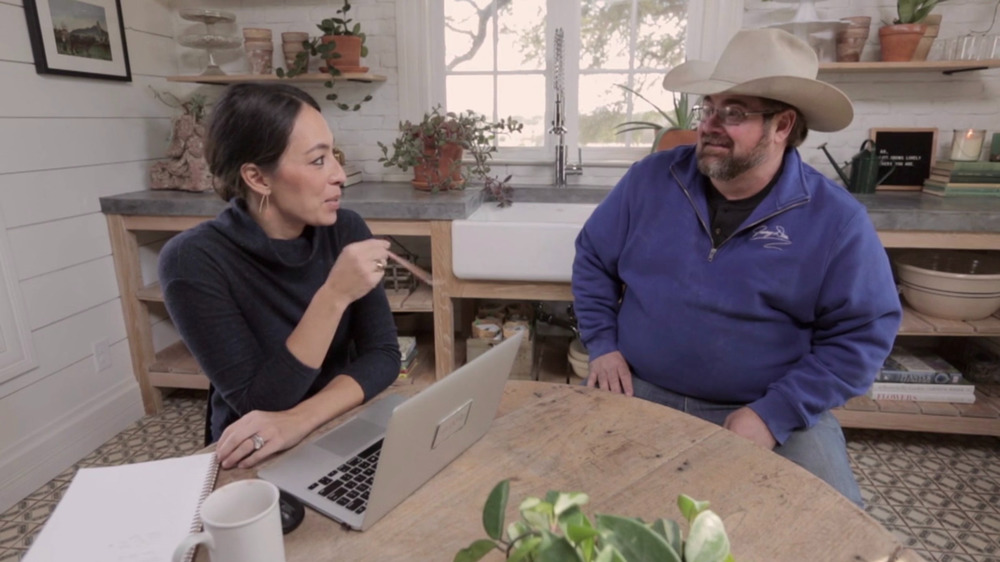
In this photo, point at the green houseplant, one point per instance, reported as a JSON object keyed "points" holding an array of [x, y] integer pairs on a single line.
{"points": [[913, 11], [434, 146], [678, 130], [556, 529], [342, 46], [900, 39]]}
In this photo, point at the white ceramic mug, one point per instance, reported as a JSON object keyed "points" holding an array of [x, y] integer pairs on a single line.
{"points": [[242, 524]]}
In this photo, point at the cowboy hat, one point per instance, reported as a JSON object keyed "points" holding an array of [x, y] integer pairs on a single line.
{"points": [[768, 63]]}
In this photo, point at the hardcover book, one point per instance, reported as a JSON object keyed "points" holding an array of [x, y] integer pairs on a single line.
{"points": [[906, 366]]}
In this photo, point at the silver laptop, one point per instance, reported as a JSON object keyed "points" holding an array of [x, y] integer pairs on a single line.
{"points": [[358, 471]]}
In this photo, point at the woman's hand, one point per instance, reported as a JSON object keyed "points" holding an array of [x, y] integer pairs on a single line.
{"points": [[359, 268], [278, 430]]}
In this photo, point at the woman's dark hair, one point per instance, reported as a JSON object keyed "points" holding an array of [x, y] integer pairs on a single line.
{"points": [[250, 123]]}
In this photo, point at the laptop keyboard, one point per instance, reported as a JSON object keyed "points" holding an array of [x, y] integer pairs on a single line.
{"points": [[349, 484]]}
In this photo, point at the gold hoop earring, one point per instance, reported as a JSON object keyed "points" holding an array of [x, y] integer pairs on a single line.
{"points": [[264, 203]]}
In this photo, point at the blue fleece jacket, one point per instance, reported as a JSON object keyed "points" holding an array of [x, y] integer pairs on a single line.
{"points": [[235, 295], [792, 315]]}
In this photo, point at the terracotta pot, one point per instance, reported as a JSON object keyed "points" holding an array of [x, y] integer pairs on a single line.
{"points": [[349, 48], [899, 41], [851, 40], [933, 23], [426, 177], [677, 137]]}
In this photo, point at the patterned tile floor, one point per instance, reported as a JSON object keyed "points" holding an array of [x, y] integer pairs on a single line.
{"points": [[940, 494]]}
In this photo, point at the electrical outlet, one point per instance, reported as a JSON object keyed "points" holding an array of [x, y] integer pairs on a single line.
{"points": [[102, 355]]}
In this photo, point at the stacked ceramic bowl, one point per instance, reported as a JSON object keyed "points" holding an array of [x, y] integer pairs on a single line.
{"points": [[950, 284], [579, 361]]}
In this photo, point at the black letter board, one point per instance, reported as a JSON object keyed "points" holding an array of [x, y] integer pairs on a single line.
{"points": [[913, 151]]}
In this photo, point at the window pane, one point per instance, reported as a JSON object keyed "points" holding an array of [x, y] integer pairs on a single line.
{"points": [[523, 98], [605, 34], [602, 106], [661, 32], [521, 43], [468, 36], [470, 92]]}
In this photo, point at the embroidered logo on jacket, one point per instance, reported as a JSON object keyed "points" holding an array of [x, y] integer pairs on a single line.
{"points": [[774, 239]]}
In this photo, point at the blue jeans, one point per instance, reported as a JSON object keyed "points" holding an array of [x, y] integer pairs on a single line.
{"points": [[820, 449]]}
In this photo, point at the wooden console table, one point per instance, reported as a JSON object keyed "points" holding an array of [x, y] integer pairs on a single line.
{"points": [[903, 220]]}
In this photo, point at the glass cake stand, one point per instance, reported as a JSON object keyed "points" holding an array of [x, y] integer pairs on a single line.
{"points": [[212, 40]]}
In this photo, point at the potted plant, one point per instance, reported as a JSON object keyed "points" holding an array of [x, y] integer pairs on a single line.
{"points": [[557, 529], [342, 46], [680, 123], [434, 146], [899, 40]]}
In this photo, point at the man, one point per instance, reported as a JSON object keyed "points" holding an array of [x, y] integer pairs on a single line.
{"points": [[733, 281]]}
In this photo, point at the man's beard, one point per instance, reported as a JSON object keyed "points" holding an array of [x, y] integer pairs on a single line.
{"points": [[728, 168]]}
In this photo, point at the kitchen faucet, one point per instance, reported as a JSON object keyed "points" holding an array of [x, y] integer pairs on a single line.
{"points": [[563, 168]]}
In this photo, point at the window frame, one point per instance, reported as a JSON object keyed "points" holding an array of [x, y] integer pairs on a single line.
{"points": [[420, 46]]}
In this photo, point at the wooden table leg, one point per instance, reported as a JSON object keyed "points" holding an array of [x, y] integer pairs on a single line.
{"points": [[444, 311], [125, 249]]}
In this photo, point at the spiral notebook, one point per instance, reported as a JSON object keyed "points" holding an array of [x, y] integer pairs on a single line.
{"points": [[135, 512]]}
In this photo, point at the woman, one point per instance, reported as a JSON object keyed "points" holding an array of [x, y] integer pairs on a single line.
{"points": [[279, 297]]}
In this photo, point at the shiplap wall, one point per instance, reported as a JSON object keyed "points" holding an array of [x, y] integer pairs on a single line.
{"points": [[65, 142]]}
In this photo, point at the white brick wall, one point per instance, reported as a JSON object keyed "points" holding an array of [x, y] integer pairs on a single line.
{"points": [[923, 99]]}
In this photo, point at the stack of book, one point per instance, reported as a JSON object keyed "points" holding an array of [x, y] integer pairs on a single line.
{"points": [[949, 177], [923, 376], [353, 174], [407, 355]]}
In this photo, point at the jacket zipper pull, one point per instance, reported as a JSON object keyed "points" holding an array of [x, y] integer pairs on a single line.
{"points": [[711, 254]]}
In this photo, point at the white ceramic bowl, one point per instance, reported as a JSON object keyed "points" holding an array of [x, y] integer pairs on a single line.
{"points": [[950, 305], [953, 285], [580, 369]]}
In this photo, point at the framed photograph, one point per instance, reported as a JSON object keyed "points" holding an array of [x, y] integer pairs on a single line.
{"points": [[76, 38], [909, 153]]}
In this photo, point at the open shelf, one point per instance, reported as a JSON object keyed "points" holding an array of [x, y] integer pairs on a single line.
{"points": [[944, 66], [980, 418], [150, 293], [420, 299], [917, 324], [175, 367], [312, 77]]}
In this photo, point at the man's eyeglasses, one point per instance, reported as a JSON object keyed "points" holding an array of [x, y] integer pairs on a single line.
{"points": [[731, 115]]}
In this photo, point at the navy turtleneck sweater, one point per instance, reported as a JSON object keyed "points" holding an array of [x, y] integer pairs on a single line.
{"points": [[235, 295]]}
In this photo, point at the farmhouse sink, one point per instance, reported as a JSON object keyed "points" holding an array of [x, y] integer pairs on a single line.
{"points": [[523, 242]]}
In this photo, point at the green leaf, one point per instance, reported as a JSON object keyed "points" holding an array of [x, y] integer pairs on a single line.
{"points": [[525, 548], [690, 507], [610, 554], [556, 549], [671, 531], [580, 533], [539, 515], [707, 540], [493, 511], [475, 551], [565, 501], [636, 541]]}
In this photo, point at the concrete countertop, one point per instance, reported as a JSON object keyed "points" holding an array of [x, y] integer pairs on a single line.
{"points": [[371, 200], [889, 211]]}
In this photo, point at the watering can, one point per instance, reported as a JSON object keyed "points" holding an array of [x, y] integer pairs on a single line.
{"points": [[864, 169]]}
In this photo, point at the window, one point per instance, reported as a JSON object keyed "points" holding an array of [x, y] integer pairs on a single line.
{"points": [[497, 57]]}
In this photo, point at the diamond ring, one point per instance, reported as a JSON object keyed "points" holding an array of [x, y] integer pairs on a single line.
{"points": [[258, 441], [380, 265]]}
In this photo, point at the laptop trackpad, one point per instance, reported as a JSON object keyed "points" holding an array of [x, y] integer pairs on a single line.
{"points": [[351, 437]]}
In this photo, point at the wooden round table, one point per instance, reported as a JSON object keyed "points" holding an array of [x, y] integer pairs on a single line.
{"points": [[632, 458]]}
